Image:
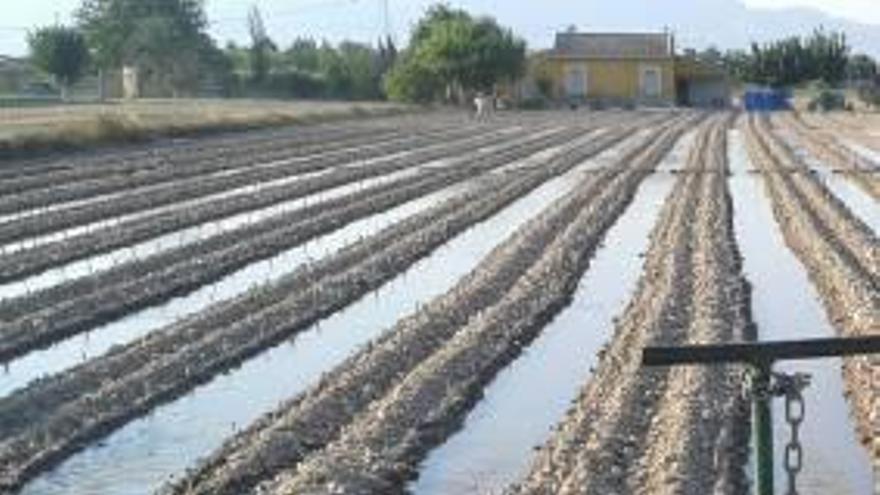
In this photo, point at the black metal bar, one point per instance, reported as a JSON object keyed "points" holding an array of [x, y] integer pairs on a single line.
{"points": [[760, 352]]}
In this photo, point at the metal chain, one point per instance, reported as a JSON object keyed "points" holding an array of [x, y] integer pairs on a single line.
{"points": [[789, 387], [751, 390]]}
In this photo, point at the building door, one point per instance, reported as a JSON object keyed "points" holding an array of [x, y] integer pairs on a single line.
{"points": [[576, 82], [651, 82]]}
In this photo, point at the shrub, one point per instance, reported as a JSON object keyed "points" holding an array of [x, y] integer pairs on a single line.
{"points": [[870, 94], [827, 100], [534, 103]]}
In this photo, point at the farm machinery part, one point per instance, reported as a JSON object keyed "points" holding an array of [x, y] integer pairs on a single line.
{"points": [[762, 385]]}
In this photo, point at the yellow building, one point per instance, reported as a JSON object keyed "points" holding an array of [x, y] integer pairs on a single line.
{"points": [[615, 68]]}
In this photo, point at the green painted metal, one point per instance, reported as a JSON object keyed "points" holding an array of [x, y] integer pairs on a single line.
{"points": [[760, 356], [762, 417], [757, 352]]}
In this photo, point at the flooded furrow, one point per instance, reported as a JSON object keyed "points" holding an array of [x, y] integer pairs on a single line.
{"points": [[49, 317], [340, 149], [34, 232], [34, 261], [363, 377], [677, 158], [250, 189], [856, 199], [866, 152], [162, 445], [94, 164], [200, 350], [80, 348], [638, 430], [785, 306], [859, 202], [380, 449], [181, 238], [496, 444], [831, 153], [247, 166]]}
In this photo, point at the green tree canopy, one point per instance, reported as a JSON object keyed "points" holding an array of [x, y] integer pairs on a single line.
{"points": [[165, 38], [861, 68], [820, 57], [303, 55], [262, 47], [60, 51], [456, 52], [118, 29]]}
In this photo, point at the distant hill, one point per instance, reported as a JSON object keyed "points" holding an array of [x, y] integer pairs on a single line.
{"points": [[697, 23]]}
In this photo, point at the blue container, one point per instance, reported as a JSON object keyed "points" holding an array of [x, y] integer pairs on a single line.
{"points": [[766, 100]]}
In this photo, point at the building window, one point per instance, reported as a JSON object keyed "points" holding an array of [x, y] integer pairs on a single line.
{"points": [[651, 82], [576, 81]]}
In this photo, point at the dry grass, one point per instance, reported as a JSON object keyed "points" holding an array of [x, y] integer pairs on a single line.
{"points": [[75, 126]]}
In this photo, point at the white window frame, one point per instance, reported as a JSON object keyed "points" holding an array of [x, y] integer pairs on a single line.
{"points": [[643, 89], [569, 70]]}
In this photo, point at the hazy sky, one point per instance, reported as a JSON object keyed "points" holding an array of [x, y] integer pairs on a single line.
{"points": [[363, 19], [856, 10]]}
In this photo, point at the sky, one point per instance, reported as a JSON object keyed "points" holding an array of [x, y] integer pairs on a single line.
{"points": [[867, 11], [363, 20]]}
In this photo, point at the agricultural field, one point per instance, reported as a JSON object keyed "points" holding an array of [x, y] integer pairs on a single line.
{"points": [[431, 304], [118, 120]]}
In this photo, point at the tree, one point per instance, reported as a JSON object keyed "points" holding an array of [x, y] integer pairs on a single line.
{"points": [[335, 71], [861, 68], [60, 51], [303, 55], [409, 81], [387, 55], [262, 46], [167, 39], [794, 60], [459, 53], [543, 74], [363, 70]]}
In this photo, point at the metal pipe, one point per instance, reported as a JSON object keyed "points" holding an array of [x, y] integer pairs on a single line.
{"points": [[762, 416], [759, 352]]}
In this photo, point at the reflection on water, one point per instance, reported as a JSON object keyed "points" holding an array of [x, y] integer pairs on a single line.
{"points": [[786, 306], [99, 340], [859, 202], [532, 394], [183, 237], [865, 152], [149, 451]]}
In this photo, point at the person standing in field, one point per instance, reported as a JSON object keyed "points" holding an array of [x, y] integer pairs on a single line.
{"points": [[483, 106]]}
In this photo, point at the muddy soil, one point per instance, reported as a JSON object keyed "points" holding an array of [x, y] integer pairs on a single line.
{"points": [[846, 277], [180, 191], [316, 418], [55, 313], [381, 447], [634, 430], [127, 232], [858, 169], [46, 422]]}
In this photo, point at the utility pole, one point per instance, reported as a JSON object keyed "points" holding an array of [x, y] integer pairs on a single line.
{"points": [[386, 19]]}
